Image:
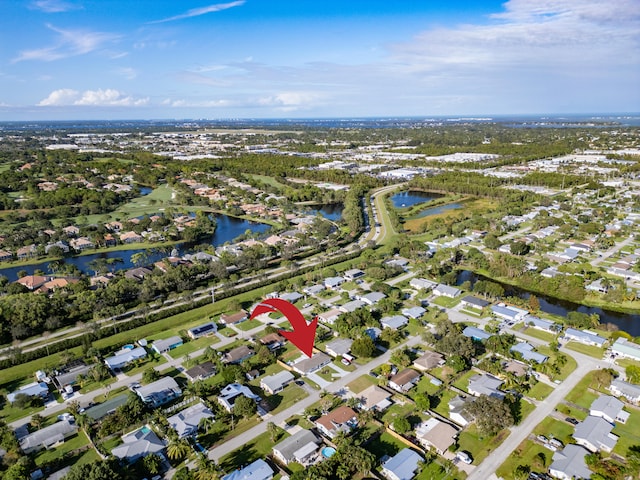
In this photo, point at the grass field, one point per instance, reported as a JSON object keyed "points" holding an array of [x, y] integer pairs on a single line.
{"points": [[446, 301], [479, 447], [591, 350], [540, 391], [542, 335], [628, 432], [385, 444], [475, 205], [257, 448], [525, 454], [361, 383], [550, 427]]}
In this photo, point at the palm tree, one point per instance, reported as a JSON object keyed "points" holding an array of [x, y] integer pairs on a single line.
{"points": [[207, 469], [37, 420], [178, 449]]}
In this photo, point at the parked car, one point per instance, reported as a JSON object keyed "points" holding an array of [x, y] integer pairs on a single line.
{"points": [[542, 438], [464, 457], [571, 420]]}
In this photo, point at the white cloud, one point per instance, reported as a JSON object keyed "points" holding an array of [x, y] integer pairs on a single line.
{"points": [[53, 6], [69, 43], [101, 98], [127, 72], [196, 12], [288, 101]]}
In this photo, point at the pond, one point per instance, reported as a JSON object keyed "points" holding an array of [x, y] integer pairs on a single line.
{"points": [[436, 210], [227, 229], [627, 322], [331, 211], [413, 197]]}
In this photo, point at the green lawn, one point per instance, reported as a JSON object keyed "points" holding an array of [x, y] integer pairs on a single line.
{"points": [[149, 362], [425, 385], [446, 301], [63, 451], [91, 385], [591, 350], [479, 447], [443, 402], [540, 391], [629, 433], [9, 413], [361, 383], [193, 345], [248, 325], [570, 411], [550, 427], [385, 444], [463, 382], [396, 410], [581, 395], [257, 448], [542, 335], [525, 454], [286, 398], [565, 371]]}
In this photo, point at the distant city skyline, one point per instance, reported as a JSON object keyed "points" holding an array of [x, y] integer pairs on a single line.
{"points": [[110, 59]]}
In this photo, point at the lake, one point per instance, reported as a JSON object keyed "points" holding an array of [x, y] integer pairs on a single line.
{"points": [[627, 322], [413, 197], [436, 210], [227, 229]]}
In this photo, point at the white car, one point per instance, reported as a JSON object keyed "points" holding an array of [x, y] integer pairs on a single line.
{"points": [[464, 457]]}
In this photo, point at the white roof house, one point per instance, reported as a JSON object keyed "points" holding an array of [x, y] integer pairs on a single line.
{"points": [[484, 384], [231, 392], [138, 444], [301, 447], [124, 357], [372, 298], [437, 434], [446, 291], [624, 348], [48, 436], [186, 422], [339, 347], [594, 433], [166, 344], [609, 408], [584, 337], [159, 392], [275, 383], [422, 284], [258, 470], [402, 466], [526, 350], [630, 391], [394, 322], [36, 389], [569, 463]]}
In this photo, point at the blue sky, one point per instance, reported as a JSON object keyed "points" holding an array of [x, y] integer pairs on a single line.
{"points": [[141, 59]]}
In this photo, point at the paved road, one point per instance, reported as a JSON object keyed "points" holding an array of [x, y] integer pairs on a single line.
{"points": [[612, 251]]}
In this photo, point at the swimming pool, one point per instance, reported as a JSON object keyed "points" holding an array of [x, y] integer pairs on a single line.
{"points": [[328, 452]]}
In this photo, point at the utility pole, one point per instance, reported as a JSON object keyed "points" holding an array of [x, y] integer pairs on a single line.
{"points": [[213, 295]]}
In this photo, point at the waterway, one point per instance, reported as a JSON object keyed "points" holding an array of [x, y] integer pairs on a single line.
{"points": [[436, 210], [227, 229], [627, 322], [413, 197]]}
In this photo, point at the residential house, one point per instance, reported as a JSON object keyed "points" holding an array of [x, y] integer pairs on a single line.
{"points": [[630, 391], [258, 470], [32, 282], [404, 380], [71, 375], [436, 434], [414, 312], [353, 274], [71, 231], [138, 273], [60, 244], [402, 466], [301, 447], [330, 316], [26, 252], [458, 412], [394, 322], [422, 284], [526, 350], [446, 291], [541, 324], [626, 349], [609, 408], [310, 365], [5, 256], [375, 398], [372, 298], [203, 330], [351, 306], [230, 393], [238, 354], [339, 347], [201, 372], [485, 384], [313, 289], [36, 389], [341, 419], [82, 243], [159, 392], [273, 341], [233, 318], [130, 237], [428, 361], [476, 334], [48, 437], [138, 444], [164, 345], [594, 433], [569, 463], [333, 282], [186, 422], [291, 297], [125, 356], [109, 240], [585, 337], [474, 302], [277, 382], [509, 313]]}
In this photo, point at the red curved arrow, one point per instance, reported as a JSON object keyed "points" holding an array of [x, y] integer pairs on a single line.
{"points": [[303, 334]]}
